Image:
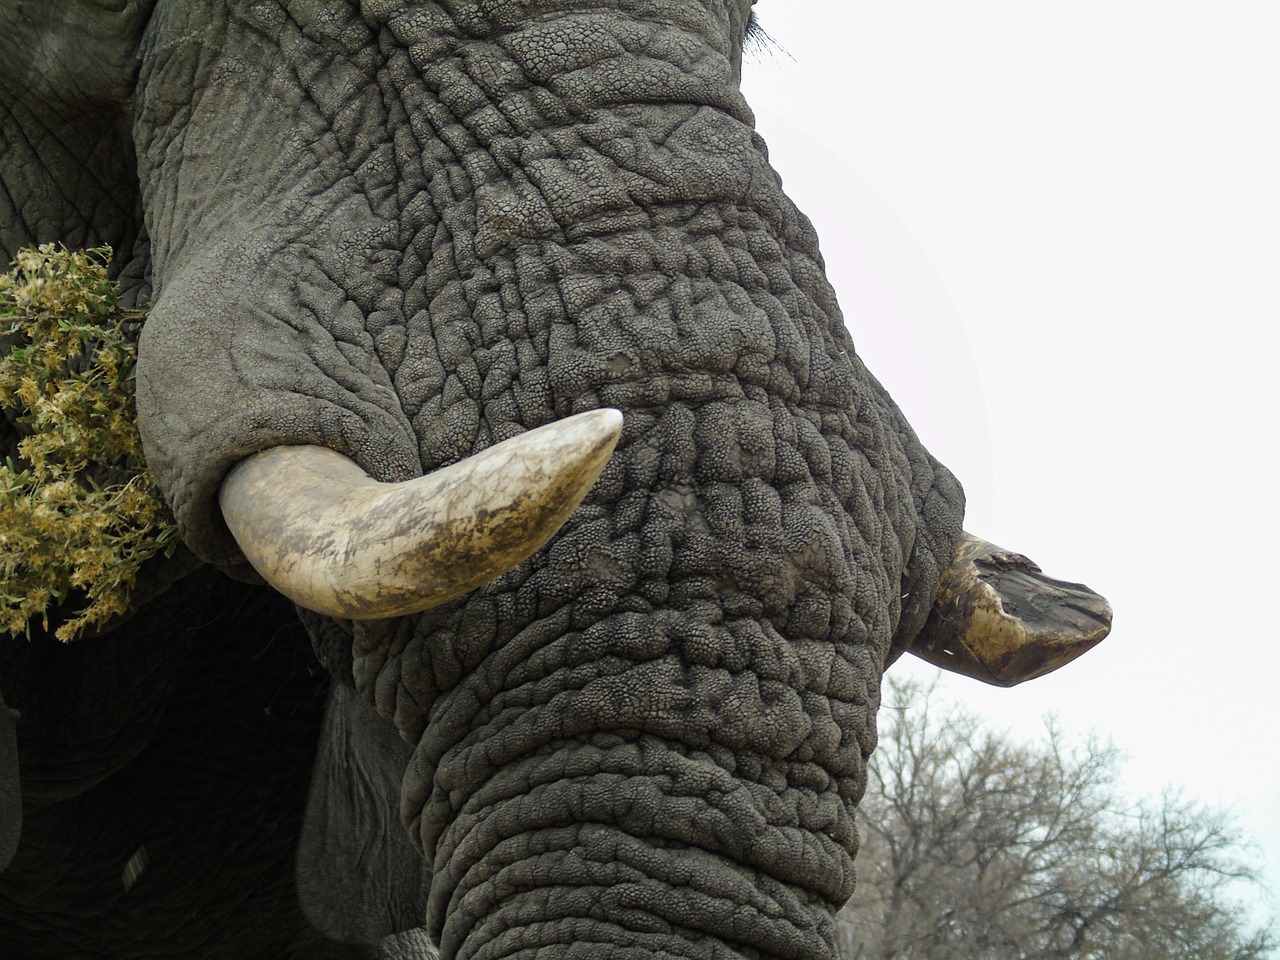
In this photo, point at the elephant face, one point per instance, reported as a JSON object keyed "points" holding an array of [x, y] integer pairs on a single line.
{"points": [[407, 231]]}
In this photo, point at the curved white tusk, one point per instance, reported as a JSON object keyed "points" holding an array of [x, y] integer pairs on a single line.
{"points": [[332, 539]]}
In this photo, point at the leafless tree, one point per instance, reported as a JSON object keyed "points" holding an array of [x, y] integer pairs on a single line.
{"points": [[979, 845]]}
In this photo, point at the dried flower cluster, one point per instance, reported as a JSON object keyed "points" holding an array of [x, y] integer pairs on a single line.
{"points": [[79, 514]]}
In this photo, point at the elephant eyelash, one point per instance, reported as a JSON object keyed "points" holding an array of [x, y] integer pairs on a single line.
{"points": [[757, 41]]}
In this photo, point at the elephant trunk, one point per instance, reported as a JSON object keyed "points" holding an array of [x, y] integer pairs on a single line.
{"points": [[653, 789]]}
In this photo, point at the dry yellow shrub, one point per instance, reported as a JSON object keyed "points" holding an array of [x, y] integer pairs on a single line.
{"points": [[79, 514]]}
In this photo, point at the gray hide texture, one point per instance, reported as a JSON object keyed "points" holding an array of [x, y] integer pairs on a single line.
{"points": [[409, 230], [358, 873]]}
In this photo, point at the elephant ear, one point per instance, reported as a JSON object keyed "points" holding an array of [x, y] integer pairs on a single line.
{"points": [[68, 171], [360, 879], [10, 786]]}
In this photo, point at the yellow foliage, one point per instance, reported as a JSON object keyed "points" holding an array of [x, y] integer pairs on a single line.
{"points": [[79, 513]]}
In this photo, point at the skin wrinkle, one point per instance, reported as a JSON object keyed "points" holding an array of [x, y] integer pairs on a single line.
{"points": [[87, 204], [748, 826], [620, 882]]}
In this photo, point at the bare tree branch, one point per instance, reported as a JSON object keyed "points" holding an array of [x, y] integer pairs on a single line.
{"points": [[975, 844]]}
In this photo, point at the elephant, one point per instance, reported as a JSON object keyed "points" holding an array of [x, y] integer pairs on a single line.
{"points": [[612, 691]]}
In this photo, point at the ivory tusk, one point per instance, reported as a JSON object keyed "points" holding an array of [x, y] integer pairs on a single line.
{"points": [[999, 619], [334, 540]]}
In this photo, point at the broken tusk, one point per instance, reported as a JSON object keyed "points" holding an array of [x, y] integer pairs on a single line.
{"points": [[999, 619], [336, 541]]}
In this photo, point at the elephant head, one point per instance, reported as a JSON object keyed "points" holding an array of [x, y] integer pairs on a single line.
{"points": [[384, 237]]}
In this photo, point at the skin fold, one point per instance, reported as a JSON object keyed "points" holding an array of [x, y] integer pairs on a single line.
{"points": [[406, 232]]}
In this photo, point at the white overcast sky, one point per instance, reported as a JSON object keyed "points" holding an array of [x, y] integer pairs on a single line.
{"points": [[1055, 231]]}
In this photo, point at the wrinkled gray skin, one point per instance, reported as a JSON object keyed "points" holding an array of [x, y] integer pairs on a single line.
{"points": [[407, 231]]}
